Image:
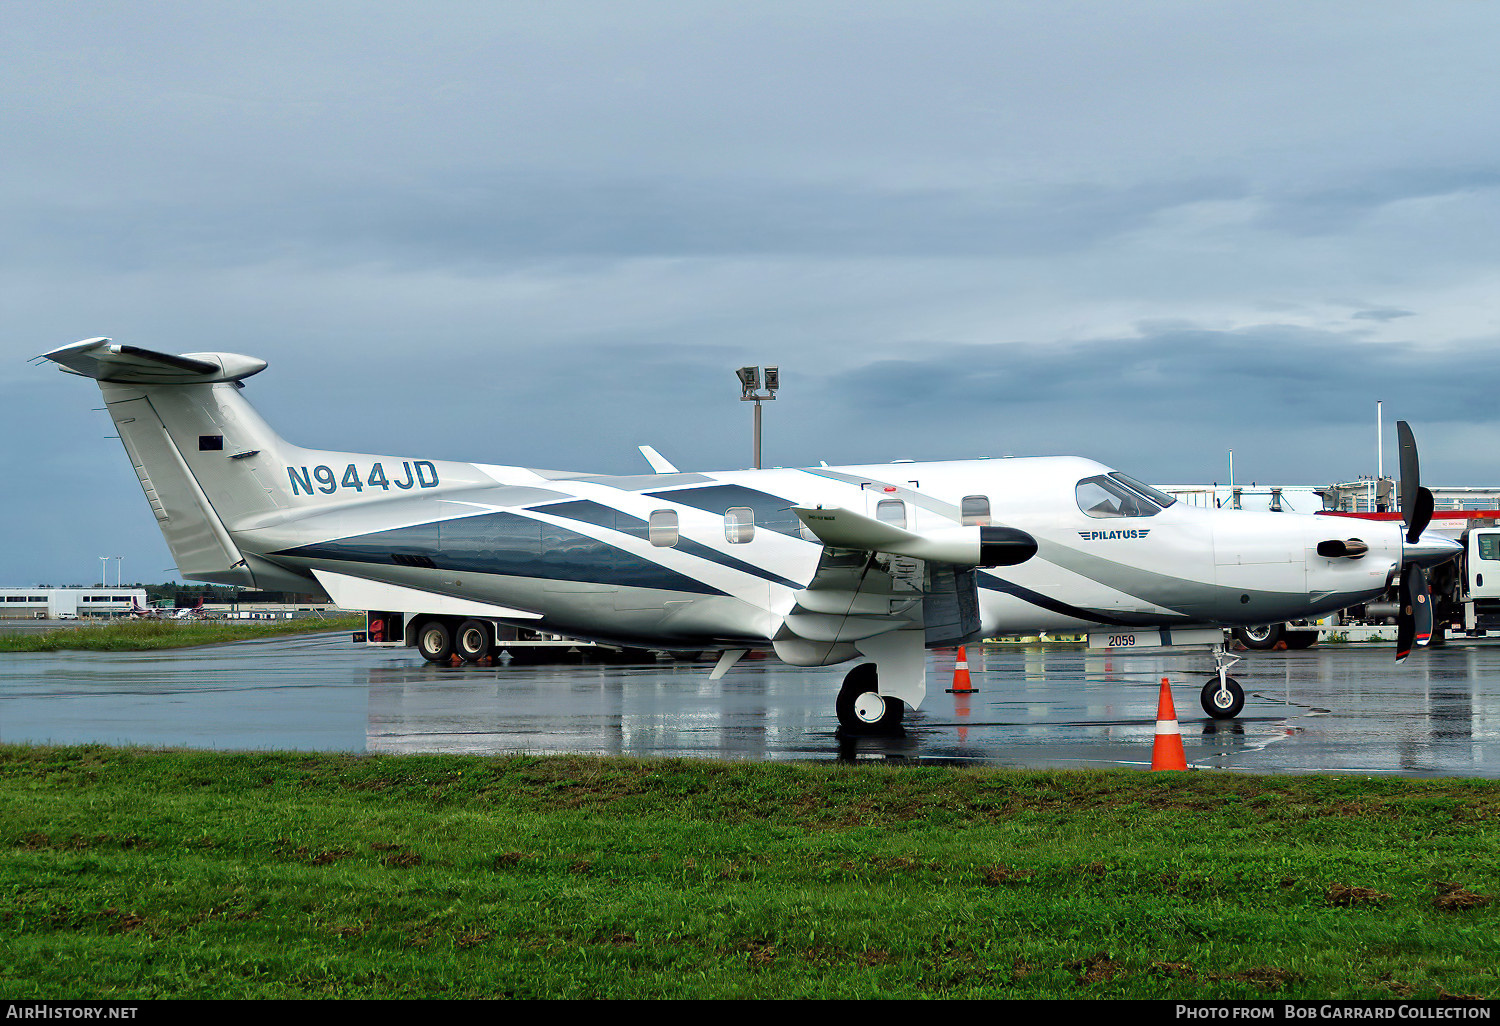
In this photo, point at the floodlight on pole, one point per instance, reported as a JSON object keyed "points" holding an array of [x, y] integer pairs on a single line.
{"points": [[103, 562], [749, 392]]}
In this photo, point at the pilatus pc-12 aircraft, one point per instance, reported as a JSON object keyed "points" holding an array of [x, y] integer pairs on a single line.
{"points": [[871, 565]]}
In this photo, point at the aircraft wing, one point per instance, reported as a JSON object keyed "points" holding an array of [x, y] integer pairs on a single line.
{"points": [[848, 600], [855, 607], [961, 546]]}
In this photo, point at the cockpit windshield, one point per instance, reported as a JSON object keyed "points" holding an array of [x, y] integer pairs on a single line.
{"points": [[1116, 495], [1156, 495]]}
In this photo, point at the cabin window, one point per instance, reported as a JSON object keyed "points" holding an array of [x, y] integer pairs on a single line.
{"points": [[1105, 497], [1489, 546], [662, 528], [739, 524], [891, 511], [974, 510]]}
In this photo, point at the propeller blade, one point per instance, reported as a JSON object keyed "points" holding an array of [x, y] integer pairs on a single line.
{"points": [[1406, 622], [1421, 516], [1416, 501], [1421, 603], [1414, 615]]}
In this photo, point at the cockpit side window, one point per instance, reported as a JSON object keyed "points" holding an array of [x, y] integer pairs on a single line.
{"points": [[1104, 497]]}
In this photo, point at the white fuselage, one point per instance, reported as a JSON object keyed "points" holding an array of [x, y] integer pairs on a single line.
{"points": [[1177, 566]]}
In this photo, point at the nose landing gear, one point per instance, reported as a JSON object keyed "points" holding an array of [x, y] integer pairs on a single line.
{"points": [[1222, 697]]}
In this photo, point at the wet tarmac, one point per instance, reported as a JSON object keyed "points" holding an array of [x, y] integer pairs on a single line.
{"points": [[1336, 708]]}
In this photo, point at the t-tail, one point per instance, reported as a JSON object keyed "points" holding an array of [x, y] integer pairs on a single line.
{"points": [[212, 468]]}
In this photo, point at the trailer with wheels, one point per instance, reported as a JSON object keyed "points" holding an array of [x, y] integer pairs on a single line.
{"points": [[447, 639]]}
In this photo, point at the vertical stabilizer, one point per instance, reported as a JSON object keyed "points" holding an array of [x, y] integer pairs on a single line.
{"points": [[215, 473], [199, 450]]}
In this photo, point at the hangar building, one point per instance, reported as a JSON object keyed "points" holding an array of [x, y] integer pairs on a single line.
{"points": [[67, 603]]}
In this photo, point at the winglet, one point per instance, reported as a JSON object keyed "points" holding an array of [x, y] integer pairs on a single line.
{"points": [[658, 462]]}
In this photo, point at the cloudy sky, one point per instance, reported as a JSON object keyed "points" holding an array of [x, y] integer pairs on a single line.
{"points": [[545, 232]]}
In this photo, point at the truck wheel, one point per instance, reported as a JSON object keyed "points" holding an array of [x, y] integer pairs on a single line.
{"points": [[472, 642], [1260, 639], [435, 641], [1300, 639]]}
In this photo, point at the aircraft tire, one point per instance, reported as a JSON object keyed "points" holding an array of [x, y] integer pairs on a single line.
{"points": [[435, 641], [1300, 639], [1259, 639], [473, 640], [1211, 699], [859, 714]]}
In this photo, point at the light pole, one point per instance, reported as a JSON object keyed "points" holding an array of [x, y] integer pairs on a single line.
{"points": [[103, 562], [119, 571], [750, 392]]}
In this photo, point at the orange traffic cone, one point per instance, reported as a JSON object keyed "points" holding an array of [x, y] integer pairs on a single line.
{"points": [[961, 683], [1167, 753]]}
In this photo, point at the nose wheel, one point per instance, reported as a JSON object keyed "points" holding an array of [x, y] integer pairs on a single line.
{"points": [[1222, 697]]}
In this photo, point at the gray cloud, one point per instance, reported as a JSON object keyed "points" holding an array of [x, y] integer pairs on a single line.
{"points": [[502, 220], [543, 234], [1383, 314]]}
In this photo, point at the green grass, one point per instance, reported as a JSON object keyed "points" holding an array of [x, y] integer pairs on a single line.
{"points": [[142, 635], [136, 873]]}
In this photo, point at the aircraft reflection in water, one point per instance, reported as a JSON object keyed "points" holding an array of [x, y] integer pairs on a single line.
{"points": [[1060, 707], [822, 565]]}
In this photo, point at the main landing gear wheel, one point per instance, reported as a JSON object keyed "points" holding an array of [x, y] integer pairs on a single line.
{"points": [[1222, 703], [472, 642], [435, 641], [862, 710]]}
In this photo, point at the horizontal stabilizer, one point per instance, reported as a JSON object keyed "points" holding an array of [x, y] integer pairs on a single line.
{"points": [[960, 546], [103, 360]]}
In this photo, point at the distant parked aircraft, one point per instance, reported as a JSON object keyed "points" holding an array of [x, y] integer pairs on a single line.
{"points": [[194, 613], [141, 612]]}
